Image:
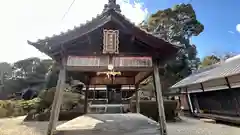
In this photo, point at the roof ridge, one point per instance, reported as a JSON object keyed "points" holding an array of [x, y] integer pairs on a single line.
{"points": [[220, 71], [112, 5], [44, 41]]}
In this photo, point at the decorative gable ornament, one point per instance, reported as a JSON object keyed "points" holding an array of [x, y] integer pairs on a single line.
{"points": [[110, 41], [112, 5]]}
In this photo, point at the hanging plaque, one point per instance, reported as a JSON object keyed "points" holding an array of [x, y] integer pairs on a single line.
{"points": [[110, 41], [85, 61], [132, 61]]}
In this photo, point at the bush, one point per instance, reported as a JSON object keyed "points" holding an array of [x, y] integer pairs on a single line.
{"points": [[150, 109], [39, 105], [3, 112], [70, 101], [28, 105], [44, 116], [9, 108], [18, 112]]}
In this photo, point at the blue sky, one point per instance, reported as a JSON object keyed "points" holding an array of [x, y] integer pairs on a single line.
{"points": [[36, 19], [219, 18]]}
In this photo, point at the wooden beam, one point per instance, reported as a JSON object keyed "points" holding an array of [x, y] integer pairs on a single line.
{"points": [[228, 84], [117, 80], [104, 68], [137, 99], [196, 104], [180, 91], [94, 93], [142, 76], [189, 101], [162, 118], [86, 99], [202, 87], [78, 51], [57, 101]]}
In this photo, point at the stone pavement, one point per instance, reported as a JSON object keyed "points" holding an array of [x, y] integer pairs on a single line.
{"points": [[110, 124], [189, 126]]}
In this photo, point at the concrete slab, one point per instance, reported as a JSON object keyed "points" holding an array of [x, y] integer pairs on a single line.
{"points": [[208, 120], [110, 124], [188, 126]]}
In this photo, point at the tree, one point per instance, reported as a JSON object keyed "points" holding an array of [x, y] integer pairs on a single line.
{"points": [[228, 55], [24, 68], [31, 69], [177, 25], [5, 72], [213, 59], [52, 76], [6, 68], [24, 74], [209, 60]]}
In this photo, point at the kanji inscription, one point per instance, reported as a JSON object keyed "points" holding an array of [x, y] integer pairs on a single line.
{"points": [[110, 41]]}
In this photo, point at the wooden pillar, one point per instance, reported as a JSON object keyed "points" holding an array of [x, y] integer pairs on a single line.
{"points": [[190, 102], [234, 95], [57, 101], [94, 94], [157, 82], [106, 101], [1, 81], [137, 100], [202, 87], [196, 104], [86, 99]]}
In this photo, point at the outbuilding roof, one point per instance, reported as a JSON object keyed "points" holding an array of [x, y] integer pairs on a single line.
{"points": [[220, 70]]}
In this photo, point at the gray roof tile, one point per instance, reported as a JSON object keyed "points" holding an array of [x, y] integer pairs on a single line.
{"points": [[222, 70]]}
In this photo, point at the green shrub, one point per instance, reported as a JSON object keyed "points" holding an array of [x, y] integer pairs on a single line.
{"points": [[28, 105], [47, 96], [18, 112], [3, 112], [150, 109], [9, 108], [69, 100], [2, 104]]}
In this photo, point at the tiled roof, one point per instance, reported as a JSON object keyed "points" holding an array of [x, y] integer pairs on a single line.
{"points": [[82, 29], [70, 33], [222, 70]]}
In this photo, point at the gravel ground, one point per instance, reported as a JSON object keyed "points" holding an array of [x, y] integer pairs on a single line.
{"points": [[191, 126], [15, 126]]}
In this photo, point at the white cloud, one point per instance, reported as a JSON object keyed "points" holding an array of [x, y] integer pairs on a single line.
{"points": [[238, 27], [231, 32], [32, 19]]}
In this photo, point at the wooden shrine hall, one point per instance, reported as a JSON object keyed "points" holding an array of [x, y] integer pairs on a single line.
{"points": [[108, 50]]}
